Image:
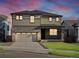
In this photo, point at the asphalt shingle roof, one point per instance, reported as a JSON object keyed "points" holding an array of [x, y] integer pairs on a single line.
{"points": [[36, 12]]}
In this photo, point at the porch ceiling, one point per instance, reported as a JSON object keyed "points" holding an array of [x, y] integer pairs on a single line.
{"points": [[50, 27]]}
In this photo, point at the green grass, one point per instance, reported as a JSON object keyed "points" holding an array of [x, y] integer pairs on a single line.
{"points": [[64, 53], [64, 49], [1, 49], [62, 46]]}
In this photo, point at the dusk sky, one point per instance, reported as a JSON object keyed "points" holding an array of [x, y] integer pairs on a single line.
{"points": [[68, 8]]}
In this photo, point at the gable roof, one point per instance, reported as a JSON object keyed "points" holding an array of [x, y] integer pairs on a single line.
{"points": [[36, 12]]}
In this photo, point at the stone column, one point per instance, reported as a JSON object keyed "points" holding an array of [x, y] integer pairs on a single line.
{"points": [[39, 35], [78, 35], [62, 35], [13, 37]]}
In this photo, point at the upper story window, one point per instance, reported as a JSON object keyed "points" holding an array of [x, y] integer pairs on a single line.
{"points": [[50, 18], [19, 17], [32, 19], [57, 19]]}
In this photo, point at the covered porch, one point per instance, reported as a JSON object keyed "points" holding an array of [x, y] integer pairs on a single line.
{"points": [[51, 33]]}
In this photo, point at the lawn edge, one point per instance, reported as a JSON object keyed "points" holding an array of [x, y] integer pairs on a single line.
{"points": [[41, 43]]}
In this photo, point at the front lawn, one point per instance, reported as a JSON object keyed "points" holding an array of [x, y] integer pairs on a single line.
{"points": [[2, 47], [64, 49]]}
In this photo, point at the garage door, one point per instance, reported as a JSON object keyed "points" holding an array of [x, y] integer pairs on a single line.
{"points": [[25, 37]]}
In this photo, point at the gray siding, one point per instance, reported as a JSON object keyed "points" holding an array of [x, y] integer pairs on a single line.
{"points": [[45, 20], [25, 25], [26, 21], [25, 29], [38, 21]]}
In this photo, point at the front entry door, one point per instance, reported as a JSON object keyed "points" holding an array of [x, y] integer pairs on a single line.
{"points": [[42, 33]]}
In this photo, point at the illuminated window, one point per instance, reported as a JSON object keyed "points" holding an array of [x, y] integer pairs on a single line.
{"points": [[53, 32], [17, 17], [21, 17], [57, 19], [50, 19], [32, 19]]}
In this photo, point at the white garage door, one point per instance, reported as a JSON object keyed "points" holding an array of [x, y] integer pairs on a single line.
{"points": [[25, 37]]}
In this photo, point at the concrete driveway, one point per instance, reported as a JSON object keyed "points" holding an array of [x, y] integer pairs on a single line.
{"points": [[26, 44]]}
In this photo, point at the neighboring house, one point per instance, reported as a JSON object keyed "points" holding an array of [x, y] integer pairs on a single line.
{"points": [[4, 28], [76, 25], [70, 29], [37, 24]]}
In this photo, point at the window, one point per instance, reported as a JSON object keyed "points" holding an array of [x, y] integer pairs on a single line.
{"points": [[57, 19], [19, 17], [32, 19], [50, 19], [53, 32]]}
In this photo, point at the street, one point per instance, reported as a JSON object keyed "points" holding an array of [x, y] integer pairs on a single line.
{"points": [[21, 54]]}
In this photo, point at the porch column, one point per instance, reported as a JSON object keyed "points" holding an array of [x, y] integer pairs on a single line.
{"points": [[13, 37], [62, 35], [78, 35], [39, 35]]}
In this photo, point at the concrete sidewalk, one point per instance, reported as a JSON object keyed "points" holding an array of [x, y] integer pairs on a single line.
{"points": [[27, 46]]}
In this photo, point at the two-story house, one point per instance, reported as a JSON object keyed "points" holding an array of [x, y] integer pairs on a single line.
{"points": [[35, 25]]}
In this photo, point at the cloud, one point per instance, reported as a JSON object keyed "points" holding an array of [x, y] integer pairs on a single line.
{"points": [[76, 3], [61, 8], [33, 4]]}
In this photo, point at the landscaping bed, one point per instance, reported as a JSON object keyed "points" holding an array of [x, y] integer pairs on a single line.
{"points": [[63, 49]]}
